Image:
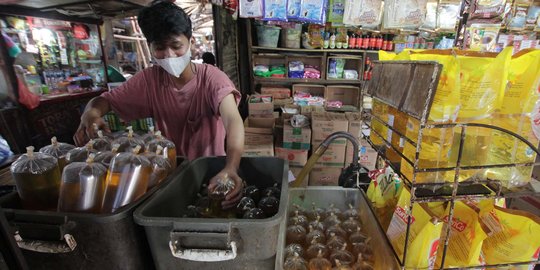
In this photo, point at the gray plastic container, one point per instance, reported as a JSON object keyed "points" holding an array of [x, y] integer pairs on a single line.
{"points": [[61, 240], [205, 243], [341, 198]]}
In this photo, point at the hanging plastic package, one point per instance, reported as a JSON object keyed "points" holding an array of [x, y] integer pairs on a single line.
{"points": [[293, 9], [150, 136], [518, 17], [532, 16], [101, 143], [251, 8], [161, 167], [37, 178], [80, 154], [83, 186], [106, 157], [488, 11], [448, 15], [431, 16], [127, 180], [275, 10], [169, 149], [365, 13], [336, 9], [5, 151], [128, 143], [58, 150], [514, 236], [404, 13], [313, 11]]}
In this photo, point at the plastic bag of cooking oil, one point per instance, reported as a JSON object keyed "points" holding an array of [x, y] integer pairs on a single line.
{"points": [[101, 143], [446, 101], [129, 142], [514, 236], [161, 167], [424, 232], [466, 238], [383, 192], [150, 136], [37, 178], [169, 149], [105, 157], [82, 188], [127, 179], [523, 79], [80, 154], [483, 82], [57, 150], [435, 152]]}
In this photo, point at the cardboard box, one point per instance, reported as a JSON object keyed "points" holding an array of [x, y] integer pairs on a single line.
{"points": [[295, 171], [258, 141], [289, 110], [348, 95], [355, 124], [276, 92], [334, 156], [261, 122], [307, 110], [258, 108], [296, 138], [367, 156], [295, 157], [324, 176], [312, 89], [324, 124]]}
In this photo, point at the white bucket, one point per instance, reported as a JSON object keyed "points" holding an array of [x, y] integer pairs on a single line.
{"points": [[268, 36]]}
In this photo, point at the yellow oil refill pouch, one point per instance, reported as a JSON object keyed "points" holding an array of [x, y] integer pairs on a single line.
{"points": [[483, 79], [435, 152], [515, 235], [383, 192], [424, 232], [446, 102], [466, 238]]}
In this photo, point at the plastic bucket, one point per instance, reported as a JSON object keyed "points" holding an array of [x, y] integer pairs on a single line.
{"points": [[292, 36], [268, 36]]}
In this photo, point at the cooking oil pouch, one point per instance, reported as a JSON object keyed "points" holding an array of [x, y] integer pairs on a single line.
{"points": [[150, 136], [37, 178], [483, 83], [523, 78], [80, 154], [57, 150], [127, 179], [446, 102], [161, 167], [105, 157], [101, 143], [129, 142], [424, 233], [466, 238], [514, 237], [169, 149], [83, 186]]}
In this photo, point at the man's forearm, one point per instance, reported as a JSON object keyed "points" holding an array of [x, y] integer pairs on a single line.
{"points": [[235, 144], [97, 107]]}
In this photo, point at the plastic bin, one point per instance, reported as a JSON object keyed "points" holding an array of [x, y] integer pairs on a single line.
{"points": [[54, 240], [268, 36], [341, 198], [205, 243]]}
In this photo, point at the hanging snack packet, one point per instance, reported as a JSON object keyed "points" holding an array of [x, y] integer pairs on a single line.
{"points": [[448, 15], [518, 17], [275, 10], [251, 8], [404, 13], [532, 16], [335, 11], [483, 82], [365, 13], [466, 238], [313, 11], [487, 10], [483, 37], [431, 16], [424, 232], [514, 237], [293, 9]]}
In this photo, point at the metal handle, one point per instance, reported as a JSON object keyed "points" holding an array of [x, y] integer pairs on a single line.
{"points": [[67, 246], [203, 255]]}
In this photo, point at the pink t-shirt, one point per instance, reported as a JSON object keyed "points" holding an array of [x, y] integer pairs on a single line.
{"points": [[189, 116]]}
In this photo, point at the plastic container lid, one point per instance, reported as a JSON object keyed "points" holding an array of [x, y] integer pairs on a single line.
{"points": [[33, 163], [56, 149]]}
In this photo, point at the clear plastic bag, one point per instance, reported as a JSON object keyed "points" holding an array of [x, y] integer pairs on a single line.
{"points": [[102, 143], [80, 154], [83, 186], [169, 149], [129, 142], [127, 179], [58, 150], [161, 168], [150, 136], [37, 178], [106, 157]]}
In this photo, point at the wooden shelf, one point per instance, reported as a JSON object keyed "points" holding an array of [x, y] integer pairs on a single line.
{"points": [[259, 48], [315, 81]]}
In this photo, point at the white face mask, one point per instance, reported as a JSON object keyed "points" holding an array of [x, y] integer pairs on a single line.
{"points": [[175, 65]]}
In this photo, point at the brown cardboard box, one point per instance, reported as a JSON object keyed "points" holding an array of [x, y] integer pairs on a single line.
{"points": [[355, 124], [334, 156], [260, 109], [296, 138], [289, 111], [276, 92], [324, 176], [258, 142], [295, 157], [367, 157], [295, 171], [261, 122], [324, 124], [348, 95], [307, 110]]}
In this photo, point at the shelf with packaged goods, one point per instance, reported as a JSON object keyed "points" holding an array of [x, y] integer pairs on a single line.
{"points": [[295, 80], [414, 98], [300, 50]]}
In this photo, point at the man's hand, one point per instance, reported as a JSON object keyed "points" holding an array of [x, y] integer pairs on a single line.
{"points": [[93, 113], [236, 194]]}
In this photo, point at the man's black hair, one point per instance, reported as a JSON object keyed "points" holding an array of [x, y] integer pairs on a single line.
{"points": [[208, 58], [162, 19]]}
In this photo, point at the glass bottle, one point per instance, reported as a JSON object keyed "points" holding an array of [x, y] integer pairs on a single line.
{"points": [[37, 178]]}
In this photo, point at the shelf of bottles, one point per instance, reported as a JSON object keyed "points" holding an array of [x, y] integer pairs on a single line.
{"points": [[438, 162]]}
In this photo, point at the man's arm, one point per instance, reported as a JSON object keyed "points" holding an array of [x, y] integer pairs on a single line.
{"points": [[95, 109]]}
